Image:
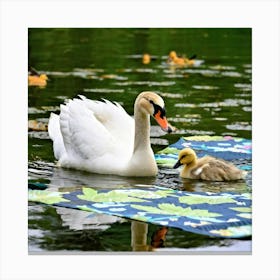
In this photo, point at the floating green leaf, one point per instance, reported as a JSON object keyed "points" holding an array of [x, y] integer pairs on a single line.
{"points": [[200, 199], [242, 209], [169, 150], [234, 231], [245, 215], [171, 209], [111, 196], [165, 161], [205, 138], [165, 193], [85, 208], [142, 194], [46, 197], [140, 218], [247, 195]]}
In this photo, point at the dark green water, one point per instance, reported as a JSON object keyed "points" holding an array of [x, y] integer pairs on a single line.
{"points": [[213, 98]]}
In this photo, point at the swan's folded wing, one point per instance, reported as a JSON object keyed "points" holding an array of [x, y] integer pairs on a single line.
{"points": [[83, 135], [86, 131], [115, 119]]}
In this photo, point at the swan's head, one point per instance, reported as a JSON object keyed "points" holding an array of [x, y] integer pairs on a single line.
{"points": [[152, 104], [185, 157]]}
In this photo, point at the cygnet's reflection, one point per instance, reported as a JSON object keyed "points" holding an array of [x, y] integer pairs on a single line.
{"points": [[190, 185]]}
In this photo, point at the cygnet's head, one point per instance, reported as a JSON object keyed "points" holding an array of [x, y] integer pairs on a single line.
{"points": [[185, 157], [44, 77], [172, 55]]}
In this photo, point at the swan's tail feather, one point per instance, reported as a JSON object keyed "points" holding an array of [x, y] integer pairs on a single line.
{"points": [[56, 136]]}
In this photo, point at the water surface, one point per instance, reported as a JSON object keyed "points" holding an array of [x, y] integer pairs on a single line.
{"points": [[212, 98]]}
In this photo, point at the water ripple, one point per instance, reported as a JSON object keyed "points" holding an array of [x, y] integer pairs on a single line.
{"points": [[103, 90], [143, 83], [225, 103], [205, 87], [239, 126]]}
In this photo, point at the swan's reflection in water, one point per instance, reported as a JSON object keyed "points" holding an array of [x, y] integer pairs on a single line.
{"points": [[81, 220], [139, 232], [141, 239], [69, 180]]}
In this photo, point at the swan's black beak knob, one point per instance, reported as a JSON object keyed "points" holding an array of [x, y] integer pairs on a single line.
{"points": [[169, 129]]}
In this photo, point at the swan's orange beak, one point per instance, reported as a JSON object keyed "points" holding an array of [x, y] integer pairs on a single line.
{"points": [[163, 123]]}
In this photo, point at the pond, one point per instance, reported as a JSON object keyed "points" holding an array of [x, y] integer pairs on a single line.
{"points": [[212, 97]]}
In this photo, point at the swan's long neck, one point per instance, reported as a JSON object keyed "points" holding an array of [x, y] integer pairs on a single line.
{"points": [[142, 131], [142, 162]]}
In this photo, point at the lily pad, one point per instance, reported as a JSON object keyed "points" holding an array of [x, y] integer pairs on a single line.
{"points": [[171, 209], [90, 194], [46, 196], [199, 199], [242, 209]]}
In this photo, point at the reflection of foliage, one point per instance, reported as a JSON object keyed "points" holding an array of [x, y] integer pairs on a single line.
{"points": [[46, 197], [111, 196], [199, 199], [171, 209]]}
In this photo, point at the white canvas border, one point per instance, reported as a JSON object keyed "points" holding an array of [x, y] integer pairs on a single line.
{"points": [[17, 16]]}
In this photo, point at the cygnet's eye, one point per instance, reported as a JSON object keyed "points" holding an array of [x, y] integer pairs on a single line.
{"points": [[183, 156]]}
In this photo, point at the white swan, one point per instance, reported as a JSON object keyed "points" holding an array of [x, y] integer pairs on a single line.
{"points": [[101, 137]]}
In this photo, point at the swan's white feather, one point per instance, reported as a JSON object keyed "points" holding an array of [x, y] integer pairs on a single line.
{"points": [[92, 135], [56, 136]]}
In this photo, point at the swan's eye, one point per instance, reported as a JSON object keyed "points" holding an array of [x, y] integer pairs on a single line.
{"points": [[157, 109]]}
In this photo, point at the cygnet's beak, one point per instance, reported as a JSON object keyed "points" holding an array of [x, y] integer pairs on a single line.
{"points": [[177, 164], [163, 123]]}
